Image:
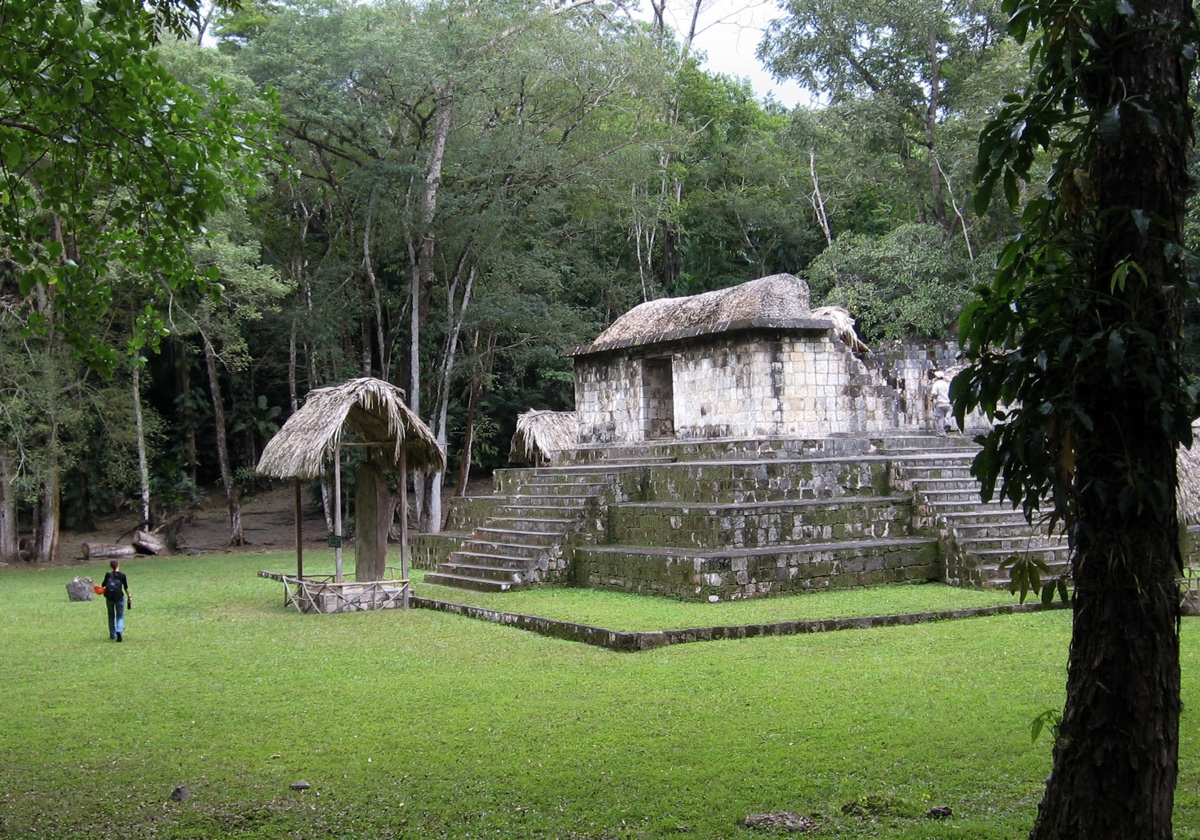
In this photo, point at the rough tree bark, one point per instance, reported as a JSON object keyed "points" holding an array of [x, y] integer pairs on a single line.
{"points": [[1116, 757]]}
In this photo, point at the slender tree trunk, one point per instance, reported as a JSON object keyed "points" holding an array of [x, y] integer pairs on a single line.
{"points": [[236, 534], [9, 527], [464, 467], [1116, 758], [184, 368], [143, 461], [931, 121], [365, 344], [385, 362], [425, 278], [50, 508], [293, 395], [456, 310], [816, 199]]}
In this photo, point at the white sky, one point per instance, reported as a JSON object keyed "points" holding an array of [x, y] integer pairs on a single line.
{"points": [[728, 32]]}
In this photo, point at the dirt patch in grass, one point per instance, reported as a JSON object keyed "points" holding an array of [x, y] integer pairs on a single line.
{"points": [[268, 522]]}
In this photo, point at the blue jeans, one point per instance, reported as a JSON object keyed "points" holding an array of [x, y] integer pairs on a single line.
{"points": [[116, 617]]}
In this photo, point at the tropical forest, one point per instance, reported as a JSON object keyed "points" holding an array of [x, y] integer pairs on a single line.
{"points": [[443, 195]]}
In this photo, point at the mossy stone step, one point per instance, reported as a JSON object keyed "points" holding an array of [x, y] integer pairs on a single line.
{"points": [[468, 582]]}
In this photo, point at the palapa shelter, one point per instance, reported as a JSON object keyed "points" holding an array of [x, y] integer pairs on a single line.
{"points": [[541, 436], [369, 414]]}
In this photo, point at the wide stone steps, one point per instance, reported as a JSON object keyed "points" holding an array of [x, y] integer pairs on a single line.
{"points": [[571, 501], [958, 497], [485, 570], [514, 535], [516, 552], [539, 524], [523, 537], [944, 483], [549, 492], [979, 536], [993, 526], [1027, 542]]}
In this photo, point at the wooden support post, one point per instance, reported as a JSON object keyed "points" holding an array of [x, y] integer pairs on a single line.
{"points": [[337, 513], [404, 522], [299, 529]]}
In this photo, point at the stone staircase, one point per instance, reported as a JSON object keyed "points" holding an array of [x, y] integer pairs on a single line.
{"points": [[744, 519], [521, 542], [976, 537]]}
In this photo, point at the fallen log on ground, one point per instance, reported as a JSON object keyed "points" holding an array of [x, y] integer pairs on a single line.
{"points": [[96, 551], [147, 543]]}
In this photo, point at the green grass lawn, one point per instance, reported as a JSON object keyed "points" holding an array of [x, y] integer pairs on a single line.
{"points": [[420, 724]]}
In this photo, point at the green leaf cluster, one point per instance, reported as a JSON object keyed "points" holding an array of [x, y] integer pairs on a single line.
{"points": [[105, 159], [1077, 326]]}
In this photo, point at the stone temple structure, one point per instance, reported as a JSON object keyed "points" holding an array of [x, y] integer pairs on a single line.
{"points": [[738, 444], [753, 361]]}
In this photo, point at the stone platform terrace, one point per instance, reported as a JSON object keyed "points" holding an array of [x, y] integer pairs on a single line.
{"points": [[729, 519]]}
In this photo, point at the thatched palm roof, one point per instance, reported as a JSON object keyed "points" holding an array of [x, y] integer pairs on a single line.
{"points": [[372, 410], [1187, 491], [780, 300], [541, 435]]}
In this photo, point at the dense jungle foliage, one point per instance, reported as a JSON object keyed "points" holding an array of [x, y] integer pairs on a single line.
{"points": [[443, 194]]}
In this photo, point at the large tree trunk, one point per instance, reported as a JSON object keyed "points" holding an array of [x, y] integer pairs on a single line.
{"points": [[1116, 758], [372, 522]]}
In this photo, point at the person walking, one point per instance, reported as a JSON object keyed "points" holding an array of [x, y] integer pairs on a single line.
{"points": [[941, 403], [117, 599]]}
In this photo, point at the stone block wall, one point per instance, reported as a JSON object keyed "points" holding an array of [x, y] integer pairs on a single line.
{"points": [[798, 383], [607, 400], [764, 481], [718, 576], [467, 513], [760, 525], [786, 385], [905, 366]]}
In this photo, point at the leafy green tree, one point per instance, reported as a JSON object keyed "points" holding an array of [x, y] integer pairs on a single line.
{"points": [[104, 157], [908, 283], [1075, 353], [456, 147], [107, 170], [737, 214], [899, 78]]}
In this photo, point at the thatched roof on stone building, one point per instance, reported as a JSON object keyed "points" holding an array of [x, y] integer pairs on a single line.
{"points": [[1187, 492], [370, 409], [542, 435], [777, 301]]}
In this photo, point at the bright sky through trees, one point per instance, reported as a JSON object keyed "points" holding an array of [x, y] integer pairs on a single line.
{"points": [[728, 32]]}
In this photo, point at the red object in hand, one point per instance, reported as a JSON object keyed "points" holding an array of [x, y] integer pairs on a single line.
{"points": [[99, 589]]}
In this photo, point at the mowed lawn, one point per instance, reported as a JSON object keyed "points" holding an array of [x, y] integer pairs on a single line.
{"points": [[422, 725]]}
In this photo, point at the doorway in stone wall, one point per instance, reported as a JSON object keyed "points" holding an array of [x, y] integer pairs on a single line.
{"points": [[658, 399]]}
